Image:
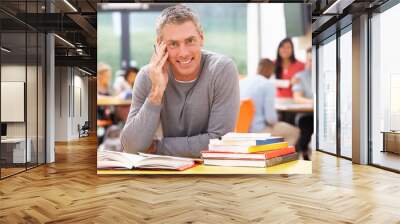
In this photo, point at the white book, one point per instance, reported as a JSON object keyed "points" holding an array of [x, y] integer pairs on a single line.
{"points": [[252, 162], [121, 160], [229, 148], [246, 142], [245, 136]]}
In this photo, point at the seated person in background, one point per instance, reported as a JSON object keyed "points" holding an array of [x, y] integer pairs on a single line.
{"points": [[193, 94], [103, 80], [263, 92], [302, 93], [111, 139], [124, 83], [103, 91]]}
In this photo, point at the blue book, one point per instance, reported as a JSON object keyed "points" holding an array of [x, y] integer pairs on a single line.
{"points": [[246, 142], [269, 141]]}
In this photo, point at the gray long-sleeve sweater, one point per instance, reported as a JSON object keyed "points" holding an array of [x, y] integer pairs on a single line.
{"points": [[190, 114]]}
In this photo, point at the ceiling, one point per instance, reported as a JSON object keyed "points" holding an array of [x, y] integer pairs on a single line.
{"points": [[73, 21], [328, 15], [76, 22]]}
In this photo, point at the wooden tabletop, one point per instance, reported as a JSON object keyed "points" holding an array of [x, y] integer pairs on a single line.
{"points": [[296, 108], [289, 105]]}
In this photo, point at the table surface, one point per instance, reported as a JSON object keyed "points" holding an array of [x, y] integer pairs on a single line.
{"points": [[294, 167], [112, 101], [288, 105], [391, 132], [13, 140]]}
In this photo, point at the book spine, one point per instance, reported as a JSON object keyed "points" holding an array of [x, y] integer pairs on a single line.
{"points": [[281, 159]]}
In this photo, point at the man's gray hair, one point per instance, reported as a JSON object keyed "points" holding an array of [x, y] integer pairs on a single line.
{"points": [[177, 14]]}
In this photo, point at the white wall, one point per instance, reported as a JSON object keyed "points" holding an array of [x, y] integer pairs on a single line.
{"points": [[273, 28], [253, 39], [71, 94], [61, 103], [15, 73]]}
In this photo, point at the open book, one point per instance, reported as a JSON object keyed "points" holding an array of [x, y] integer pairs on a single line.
{"points": [[122, 160]]}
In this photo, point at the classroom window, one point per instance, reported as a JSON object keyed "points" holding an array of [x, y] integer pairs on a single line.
{"points": [[109, 39]]}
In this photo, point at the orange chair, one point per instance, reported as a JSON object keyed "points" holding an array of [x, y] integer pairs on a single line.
{"points": [[246, 114], [104, 123]]}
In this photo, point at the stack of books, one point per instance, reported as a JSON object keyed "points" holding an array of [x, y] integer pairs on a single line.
{"points": [[248, 149]]}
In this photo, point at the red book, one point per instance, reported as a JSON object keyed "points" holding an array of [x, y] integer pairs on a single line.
{"points": [[249, 156]]}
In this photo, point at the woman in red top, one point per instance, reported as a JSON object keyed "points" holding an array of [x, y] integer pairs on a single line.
{"points": [[286, 66]]}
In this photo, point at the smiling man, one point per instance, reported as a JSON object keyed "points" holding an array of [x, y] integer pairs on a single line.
{"points": [[193, 94]]}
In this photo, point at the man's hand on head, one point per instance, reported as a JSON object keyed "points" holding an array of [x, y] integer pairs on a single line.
{"points": [[158, 73]]}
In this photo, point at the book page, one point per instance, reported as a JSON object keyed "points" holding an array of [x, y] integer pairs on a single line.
{"points": [[163, 163], [106, 164], [127, 159], [170, 157]]}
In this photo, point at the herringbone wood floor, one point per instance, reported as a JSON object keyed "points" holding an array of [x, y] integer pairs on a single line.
{"points": [[69, 191]]}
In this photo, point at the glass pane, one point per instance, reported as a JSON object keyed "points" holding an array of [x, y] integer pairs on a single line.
{"points": [[386, 89], [327, 97], [41, 99], [143, 36], [31, 98], [346, 94], [13, 85]]}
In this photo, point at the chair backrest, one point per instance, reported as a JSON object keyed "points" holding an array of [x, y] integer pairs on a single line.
{"points": [[246, 114], [86, 125]]}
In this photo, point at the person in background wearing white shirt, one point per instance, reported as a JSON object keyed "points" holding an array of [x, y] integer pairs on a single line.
{"points": [[124, 83], [262, 91]]}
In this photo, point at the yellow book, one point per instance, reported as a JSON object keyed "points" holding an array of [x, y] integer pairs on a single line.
{"points": [[269, 147], [247, 148]]}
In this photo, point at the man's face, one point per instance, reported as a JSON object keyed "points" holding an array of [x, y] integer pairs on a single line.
{"points": [[184, 43]]}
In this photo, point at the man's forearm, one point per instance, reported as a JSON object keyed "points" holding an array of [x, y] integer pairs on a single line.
{"points": [[140, 128], [185, 146]]}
